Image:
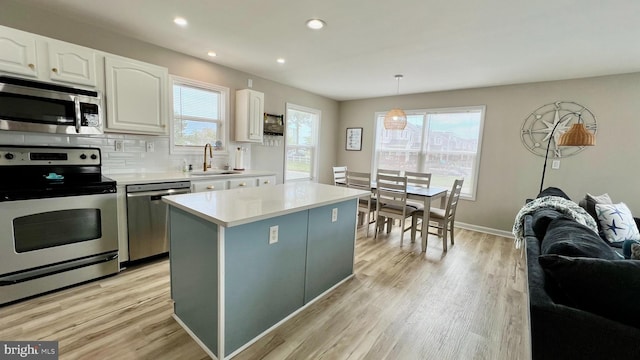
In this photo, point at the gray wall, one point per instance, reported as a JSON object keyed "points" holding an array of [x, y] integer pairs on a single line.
{"points": [[509, 173], [38, 21]]}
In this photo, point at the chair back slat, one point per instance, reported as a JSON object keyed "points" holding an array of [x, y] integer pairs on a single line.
{"points": [[418, 179], [391, 189], [389, 172], [358, 180], [340, 175]]}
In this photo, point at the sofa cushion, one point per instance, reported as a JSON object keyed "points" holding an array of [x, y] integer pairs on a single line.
{"points": [[617, 222], [604, 287], [567, 237], [541, 219], [589, 204]]}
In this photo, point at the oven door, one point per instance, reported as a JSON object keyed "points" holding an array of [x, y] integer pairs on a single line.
{"points": [[44, 232]]}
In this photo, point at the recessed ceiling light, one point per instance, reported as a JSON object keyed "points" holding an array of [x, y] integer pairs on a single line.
{"points": [[212, 53], [315, 24], [280, 61], [180, 21]]}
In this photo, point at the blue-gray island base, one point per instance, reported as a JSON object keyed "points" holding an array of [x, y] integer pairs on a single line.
{"points": [[230, 285]]}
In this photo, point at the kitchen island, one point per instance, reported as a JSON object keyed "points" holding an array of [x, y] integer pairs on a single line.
{"points": [[245, 260]]}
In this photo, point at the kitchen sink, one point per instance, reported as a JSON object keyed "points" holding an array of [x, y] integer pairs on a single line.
{"points": [[214, 172]]}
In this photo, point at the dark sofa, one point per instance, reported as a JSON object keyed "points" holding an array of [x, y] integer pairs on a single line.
{"points": [[592, 316]]}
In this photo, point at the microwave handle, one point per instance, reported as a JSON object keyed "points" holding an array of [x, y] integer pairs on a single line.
{"points": [[76, 101]]}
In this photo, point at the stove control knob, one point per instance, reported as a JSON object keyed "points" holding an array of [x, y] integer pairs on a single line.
{"points": [[94, 156], [9, 156], [83, 156]]}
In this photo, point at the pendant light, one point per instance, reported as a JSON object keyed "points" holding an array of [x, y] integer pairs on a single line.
{"points": [[396, 118]]}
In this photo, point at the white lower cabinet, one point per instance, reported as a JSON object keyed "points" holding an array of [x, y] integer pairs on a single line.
{"points": [[208, 185], [241, 183], [267, 180]]}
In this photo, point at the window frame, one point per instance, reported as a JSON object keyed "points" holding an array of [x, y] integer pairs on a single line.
{"points": [[314, 150], [377, 126], [223, 110]]}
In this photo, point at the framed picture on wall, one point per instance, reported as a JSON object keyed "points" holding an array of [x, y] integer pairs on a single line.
{"points": [[354, 139]]}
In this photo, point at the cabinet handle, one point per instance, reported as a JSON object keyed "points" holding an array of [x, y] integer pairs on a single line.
{"points": [[31, 66], [163, 126], [211, 187], [242, 184], [267, 182], [55, 70]]}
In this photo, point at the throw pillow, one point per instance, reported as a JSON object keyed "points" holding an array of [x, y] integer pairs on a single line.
{"points": [[635, 251], [589, 204], [603, 287], [567, 237], [617, 222]]}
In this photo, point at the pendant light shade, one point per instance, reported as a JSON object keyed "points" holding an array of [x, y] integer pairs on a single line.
{"points": [[396, 119], [578, 135]]}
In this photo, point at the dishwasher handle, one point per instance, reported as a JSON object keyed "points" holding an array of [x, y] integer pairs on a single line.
{"points": [[157, 194]]}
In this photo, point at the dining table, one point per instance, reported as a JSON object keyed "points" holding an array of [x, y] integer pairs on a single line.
{"points": [[426, 195]]}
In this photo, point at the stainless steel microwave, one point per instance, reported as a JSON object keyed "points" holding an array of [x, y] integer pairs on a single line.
{"points": [[27, 105]]}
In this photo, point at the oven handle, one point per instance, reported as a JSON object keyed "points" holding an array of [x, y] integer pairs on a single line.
{"points": [[76, 101], [56, 268]]}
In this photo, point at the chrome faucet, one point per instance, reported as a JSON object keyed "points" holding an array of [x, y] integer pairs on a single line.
{"points": [[205, 166]]}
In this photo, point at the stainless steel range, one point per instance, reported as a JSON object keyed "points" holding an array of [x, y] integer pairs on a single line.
{"points": [[58, 224]]}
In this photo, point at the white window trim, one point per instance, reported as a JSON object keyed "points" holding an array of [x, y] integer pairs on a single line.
{"points": [[316, 152], [224, 114], [476, 165]]}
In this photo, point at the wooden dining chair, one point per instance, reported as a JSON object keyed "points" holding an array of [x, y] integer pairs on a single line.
{"points": [[366, 205], [391, 197], [441, 219], [340, 175], [417, 179]]}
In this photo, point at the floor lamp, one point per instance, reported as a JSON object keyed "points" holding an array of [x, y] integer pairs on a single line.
{"points": [[578, 135]]}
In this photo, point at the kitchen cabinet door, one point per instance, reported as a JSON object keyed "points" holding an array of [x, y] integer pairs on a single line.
{"points": [[249, 115], [17, 52], [136, 95], [244, 182], [29, 55], [71, 63], [208, 185], [266, 180]]}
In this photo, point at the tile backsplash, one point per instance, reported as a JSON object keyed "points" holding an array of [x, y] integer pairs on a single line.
{"points": [[134, 156]]}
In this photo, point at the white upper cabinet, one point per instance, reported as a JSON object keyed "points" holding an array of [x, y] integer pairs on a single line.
{"points": [[17, 52], [44, 59], [71, 63], [249, 115], [136, 95]]}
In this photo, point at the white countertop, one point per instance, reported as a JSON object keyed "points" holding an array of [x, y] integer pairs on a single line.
{"points": [[240, 206], [152, 177]]}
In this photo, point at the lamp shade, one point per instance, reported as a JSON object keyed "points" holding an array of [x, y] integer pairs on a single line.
{"points": [[395, 119], [578, 135]]}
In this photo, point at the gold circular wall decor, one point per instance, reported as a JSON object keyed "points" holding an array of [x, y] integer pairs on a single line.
{"points": [[537, 127]]}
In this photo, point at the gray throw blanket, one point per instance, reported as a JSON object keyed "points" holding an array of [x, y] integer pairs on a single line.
{"points": [[567, 207]]}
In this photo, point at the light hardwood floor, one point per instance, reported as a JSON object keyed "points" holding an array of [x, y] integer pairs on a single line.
{"points": [[468, 303]]}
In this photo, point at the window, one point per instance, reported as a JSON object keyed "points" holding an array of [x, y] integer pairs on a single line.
{"points": [[301, 143], [443, 142], [199, 116]]}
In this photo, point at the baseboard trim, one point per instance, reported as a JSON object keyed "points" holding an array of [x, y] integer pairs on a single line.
{"points": [[485, 230]]}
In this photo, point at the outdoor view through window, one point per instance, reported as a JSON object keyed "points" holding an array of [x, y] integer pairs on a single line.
{"points": [[445, 143], [301, 143], [198, 115]]}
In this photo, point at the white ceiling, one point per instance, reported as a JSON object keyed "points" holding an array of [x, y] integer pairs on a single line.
{"points": [[436, 44]]}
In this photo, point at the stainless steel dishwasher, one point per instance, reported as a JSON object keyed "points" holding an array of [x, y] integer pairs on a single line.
{"points": [[147, 217]]}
